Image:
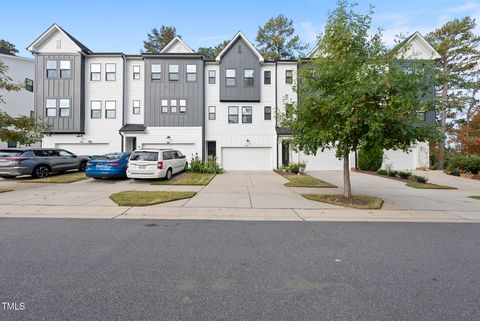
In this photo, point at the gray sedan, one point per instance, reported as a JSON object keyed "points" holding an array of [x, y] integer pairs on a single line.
{"points": [[38, 162]]}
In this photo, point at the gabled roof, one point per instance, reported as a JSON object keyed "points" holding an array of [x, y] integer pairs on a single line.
{"points": [[424, 43], [174, 41], [51, 31], [312, 53], [230, 44]]}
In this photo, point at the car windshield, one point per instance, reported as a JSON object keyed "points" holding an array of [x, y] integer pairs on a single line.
{"points": [[144, 156], [10, 153], [110, 156]]}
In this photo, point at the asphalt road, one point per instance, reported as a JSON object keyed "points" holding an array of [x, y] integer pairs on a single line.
{"points": [[211, 270]]}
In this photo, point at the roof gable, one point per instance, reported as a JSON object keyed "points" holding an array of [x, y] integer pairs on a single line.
{"points": [[176, 45], [239, 35], [417, 47], [55, 39]]}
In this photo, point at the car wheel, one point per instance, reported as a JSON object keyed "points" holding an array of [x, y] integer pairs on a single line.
{"points": [[41, 171], [82, 166], [186, 167], [168, 176]]}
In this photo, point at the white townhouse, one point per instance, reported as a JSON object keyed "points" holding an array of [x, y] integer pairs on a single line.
{"points": [[226, 107]]}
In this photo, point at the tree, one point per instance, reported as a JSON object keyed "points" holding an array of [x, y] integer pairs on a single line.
{"points": [[277, 39], [457, 45], [159, 38], [7, 48], [212, 52], [356, 93], [469, 135]]}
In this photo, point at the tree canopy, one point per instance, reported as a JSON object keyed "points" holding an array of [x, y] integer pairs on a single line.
{"points": [[157, 39], [212, 52], [7, 48]]}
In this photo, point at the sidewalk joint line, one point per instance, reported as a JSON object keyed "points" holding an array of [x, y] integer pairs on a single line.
{"points": [[299, 216], [121, 213]]}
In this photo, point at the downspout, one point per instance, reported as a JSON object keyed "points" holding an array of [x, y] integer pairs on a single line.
{"points": [[276, 109], [203, 117], [124, 85]]}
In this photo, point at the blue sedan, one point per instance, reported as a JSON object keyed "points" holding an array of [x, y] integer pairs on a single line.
{"points": [[113, 165]]}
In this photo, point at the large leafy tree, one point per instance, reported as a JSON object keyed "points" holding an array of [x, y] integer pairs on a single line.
{"points": [[457, 45], [212, 52], [277, 39], [157, 39], [7, 47], [356, 93]]}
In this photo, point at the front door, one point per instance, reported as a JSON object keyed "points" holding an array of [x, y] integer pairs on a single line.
{"points": [[285, 152], [131, 144], [212, 149]]}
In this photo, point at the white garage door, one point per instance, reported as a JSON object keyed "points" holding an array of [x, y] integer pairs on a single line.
{"points": [[86, 148], [246, 158], [325, 160], [187, 149]]}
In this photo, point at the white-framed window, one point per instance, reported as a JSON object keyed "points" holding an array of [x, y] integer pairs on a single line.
{"points": [[173, 105], [248, 77], [95, 72], [29, 84], [247, 114], [110, 72], [183, 105], [191, 72], [212, 115], [136, 107], [267, 113], [289, 76], [64, 110], [267, 77], [164, 105], [51, 69], [110, 109], [95, 109], [136, 72], [156, 71], [65, 69], [51, 107], [230, 77], [212, 75], [233, 114], [173, 72]]}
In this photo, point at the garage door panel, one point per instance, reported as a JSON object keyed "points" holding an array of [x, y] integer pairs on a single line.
{"points": [[325, 160], [86, 149], [246, 158]]}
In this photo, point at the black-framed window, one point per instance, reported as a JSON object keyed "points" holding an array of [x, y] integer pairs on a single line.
{"points": [[248, 77], [267, 77], [95, 109], [173, 74], [136, 107], [51, 69], [233, 114], [64, 107], [110, 72], [247, 114], [65, 69], [211, 77], [95, 72], [230, 77], [164, 105], [156, 70], [110, 109], [136, 72], [421, 116], [12, 144], [289, 76], [29, 84], [182, 103], [51, 107], [211, 113], [191, 72], [267, 113], [173, 105]]}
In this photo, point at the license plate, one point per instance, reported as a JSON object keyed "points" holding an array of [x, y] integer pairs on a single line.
{"points": [[142, 166], [101, 166]]}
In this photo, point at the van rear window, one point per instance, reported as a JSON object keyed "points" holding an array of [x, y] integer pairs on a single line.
{"points": [[10, 153], [144, 156]]}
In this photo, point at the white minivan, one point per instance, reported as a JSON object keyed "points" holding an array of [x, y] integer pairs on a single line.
{"points": [[156, 163]]}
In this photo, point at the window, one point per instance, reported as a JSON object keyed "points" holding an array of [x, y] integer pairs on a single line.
{"points": [[95, 72], [267, 77], [51, 69], [421, 116], [64, 153], [173, 72], [29, 84], [211, 113], [183, 105], [247, 114], [167, 155], [164, 105], [136, 72], [12, 144], [248, 77], [65, 69], [232, 114], [267, 113], [95, 109], [110, 109], [110, 72], [191, 72], [289, 76], [173, 105], [136, 106], [230, 77], [211, 77], [156, 71], [51, 107], [64, 108]]}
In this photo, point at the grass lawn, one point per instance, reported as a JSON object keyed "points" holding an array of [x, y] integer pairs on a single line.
{"points": [[475, 197], [428, 186], [357, 201], [4, 190], [305, 180], [145, 198], [69, 177], [188, 179]]}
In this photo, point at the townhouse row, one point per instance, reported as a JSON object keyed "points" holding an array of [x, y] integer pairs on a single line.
{"points": [[226, 107]]}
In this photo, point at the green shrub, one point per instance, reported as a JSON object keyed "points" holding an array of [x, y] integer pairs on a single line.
{"points": [[370, 158], [210, 166], [392, 173], [417, 178], [464, 164], [404, 175], [296, 167], [382, 172]]}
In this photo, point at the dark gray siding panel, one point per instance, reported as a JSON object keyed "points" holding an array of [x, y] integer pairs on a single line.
{"points": [[240, 60], [156, 90], [72, 88]]}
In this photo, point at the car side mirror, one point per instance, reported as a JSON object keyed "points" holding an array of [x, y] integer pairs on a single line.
{"points": [[74, 156], [183, 156]]}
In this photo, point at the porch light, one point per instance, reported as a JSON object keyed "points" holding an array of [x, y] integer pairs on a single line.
{"points": [[168, 139]]}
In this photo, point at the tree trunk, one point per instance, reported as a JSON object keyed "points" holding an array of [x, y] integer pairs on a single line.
{"points": [[443, 128], [347, 187]]}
